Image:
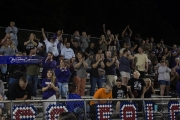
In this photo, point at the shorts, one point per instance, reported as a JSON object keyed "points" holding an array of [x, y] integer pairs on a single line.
{"points": [[125, 74], [164, 82]]}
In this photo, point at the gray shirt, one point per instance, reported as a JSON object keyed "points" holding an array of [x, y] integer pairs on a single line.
{"points": [[81, 71], [8, 51], [85, 42]]}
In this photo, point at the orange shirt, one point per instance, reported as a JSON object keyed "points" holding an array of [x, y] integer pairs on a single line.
{"points": [[100, 94]]}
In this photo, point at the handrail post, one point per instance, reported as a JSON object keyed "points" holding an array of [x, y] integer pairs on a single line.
{"points": [[11, 110], [85, 111], [144, 109]]}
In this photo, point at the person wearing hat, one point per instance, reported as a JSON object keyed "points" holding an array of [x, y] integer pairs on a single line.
{"points": [[119, 91], [164, 77], [152, 57], [51, 45]]}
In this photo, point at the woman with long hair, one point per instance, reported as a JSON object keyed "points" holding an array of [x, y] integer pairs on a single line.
{"points": [[63, 73], [164, 78], [31, 43], [103, 43], [149, 88], [8, 48], [80, 67], [49, 89]]}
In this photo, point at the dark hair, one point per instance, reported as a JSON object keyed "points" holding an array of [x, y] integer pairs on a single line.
{"points": [[67, 116], [50, 53], [76, 58], [124, 51], [23, 78], [72, 88]]}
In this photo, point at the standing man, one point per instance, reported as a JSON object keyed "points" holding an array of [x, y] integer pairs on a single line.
{"points": [[32, 73], [67, 52], [110, 68], [125, 36], [141, 62]]}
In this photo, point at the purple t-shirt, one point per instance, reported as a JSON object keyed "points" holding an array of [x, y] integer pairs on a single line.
{"points": [[50, 91]]}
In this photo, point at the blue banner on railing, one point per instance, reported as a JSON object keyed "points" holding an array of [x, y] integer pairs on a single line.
{"points": [[21, 59]]}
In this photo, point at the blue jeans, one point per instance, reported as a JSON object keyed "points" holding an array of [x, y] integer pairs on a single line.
{"points": [[93, 82], [11, 80], [63, 89], [33, 81]]}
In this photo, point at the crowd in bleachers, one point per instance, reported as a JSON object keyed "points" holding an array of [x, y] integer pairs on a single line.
{"points": [[130, 68]]}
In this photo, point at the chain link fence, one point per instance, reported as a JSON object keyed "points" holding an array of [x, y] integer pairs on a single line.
{"points": [[83, 109]]}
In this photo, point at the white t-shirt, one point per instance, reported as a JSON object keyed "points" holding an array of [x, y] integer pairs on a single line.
{"points": [[51, 47], [141, 61], [68, 53]]}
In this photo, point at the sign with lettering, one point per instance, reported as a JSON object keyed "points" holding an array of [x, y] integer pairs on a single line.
{"points": [[104, 111]]}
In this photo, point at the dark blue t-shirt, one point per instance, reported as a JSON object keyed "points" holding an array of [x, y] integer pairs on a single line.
{"points": [[110, 70], [50, 91]]}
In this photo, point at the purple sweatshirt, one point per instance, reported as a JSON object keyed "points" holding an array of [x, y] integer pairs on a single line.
{"points": [[47, 66], [62, 75]]}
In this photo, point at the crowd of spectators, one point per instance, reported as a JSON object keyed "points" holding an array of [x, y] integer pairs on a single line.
{"points": [[123, 63]]}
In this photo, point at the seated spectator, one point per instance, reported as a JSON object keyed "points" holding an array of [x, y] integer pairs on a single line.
{"points": [[12, 30], [119, 91], [63, 74], [31, 43], [136, 86], [61, 57], [110, 68], [88, 61], [67, 52], [49, 89], [48, 64], [80, 67], [8, 48], [164, 78], [102, 93], [90, 49], [67, 116], [103, 43], [77, 107], [95, 78], [16, 71], [20, 90], [149, 89], [162, 43], [51, 45], [84, 41], [76, 48]]}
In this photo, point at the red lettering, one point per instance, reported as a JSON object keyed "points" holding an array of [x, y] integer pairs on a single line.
{"points": [[104, 111], [173, 110], [128, 111]]}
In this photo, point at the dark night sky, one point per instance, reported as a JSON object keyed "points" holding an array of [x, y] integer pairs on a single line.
{"points": [[70, 15]]}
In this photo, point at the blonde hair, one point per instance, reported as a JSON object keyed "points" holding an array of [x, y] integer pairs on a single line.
{"points": [[11, 44], [147, 79], [53, 78]]}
